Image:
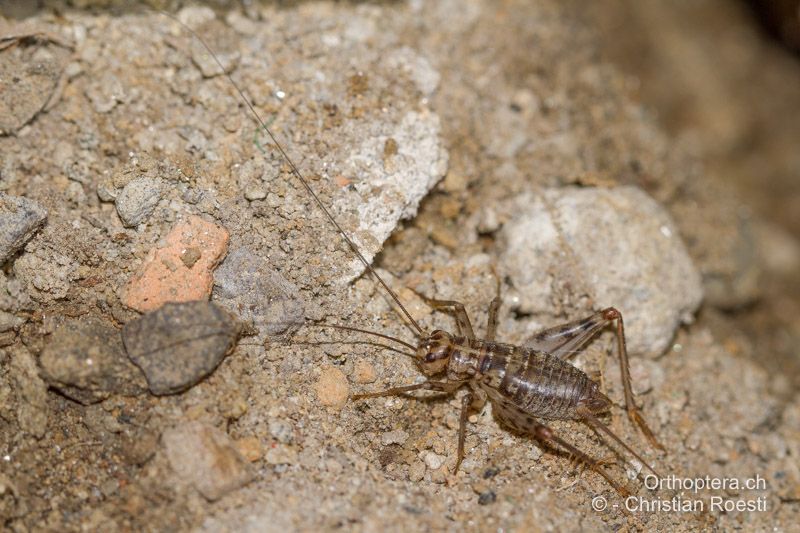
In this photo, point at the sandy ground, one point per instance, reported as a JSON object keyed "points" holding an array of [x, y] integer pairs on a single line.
{"points": [[375, 102]]}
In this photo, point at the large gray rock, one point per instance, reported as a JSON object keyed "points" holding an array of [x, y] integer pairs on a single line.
{"points": [[616, 246]]}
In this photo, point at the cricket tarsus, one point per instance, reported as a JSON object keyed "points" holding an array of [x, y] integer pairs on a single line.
{"points": [[297, 174], [523, 384]]}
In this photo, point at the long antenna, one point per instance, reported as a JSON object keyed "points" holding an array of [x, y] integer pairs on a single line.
{"points": [[297, 174], [368, 332]]}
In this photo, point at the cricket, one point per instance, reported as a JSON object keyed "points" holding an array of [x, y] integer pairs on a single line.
{"points": [[398, 265], [525, 385]]}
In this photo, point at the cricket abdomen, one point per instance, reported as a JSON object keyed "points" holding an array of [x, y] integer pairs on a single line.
{"points": [[533, 381]]}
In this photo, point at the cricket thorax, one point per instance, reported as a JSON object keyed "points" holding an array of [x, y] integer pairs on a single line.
{"points": [[457, 355]]}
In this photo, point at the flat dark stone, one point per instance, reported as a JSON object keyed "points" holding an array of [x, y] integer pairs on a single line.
{"points": [[179, 344]]}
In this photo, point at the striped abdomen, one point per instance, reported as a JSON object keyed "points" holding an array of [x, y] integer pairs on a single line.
{"points": [[535, 382]]}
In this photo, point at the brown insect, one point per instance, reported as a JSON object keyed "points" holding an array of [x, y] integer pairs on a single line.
{"points": [[523, 383]]}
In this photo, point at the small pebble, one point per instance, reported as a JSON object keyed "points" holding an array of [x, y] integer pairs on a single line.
{"points": [[364, 372], [487, 497], [250, 448], [180, 271], [433, 460], [106, 192], [397, 436], [332, 388], [416, 471], [179, 344], [137, 200], [19, 220], [190, 256], [245, 284], [207, 458], [281, 430], [255, 193]]}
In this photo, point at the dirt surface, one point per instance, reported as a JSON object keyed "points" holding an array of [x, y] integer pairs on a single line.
{"points": [[441, 113]]}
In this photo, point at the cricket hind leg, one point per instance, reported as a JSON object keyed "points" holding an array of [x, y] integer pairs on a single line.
{"points": [[494, 307], [527, 424], [634, 412], [568, 339]]}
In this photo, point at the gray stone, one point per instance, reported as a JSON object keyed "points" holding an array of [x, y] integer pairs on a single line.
{"points": [[246, 285], [19, 220], [179, 344], [86, 361], [618, 246], [255, 193], [137, 200]]}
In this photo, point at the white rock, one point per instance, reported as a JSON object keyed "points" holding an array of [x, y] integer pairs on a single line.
{"points": [[433, 460], [393, 190]]}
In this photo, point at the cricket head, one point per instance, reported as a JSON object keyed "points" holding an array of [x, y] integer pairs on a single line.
{"points": [[433, 352]]}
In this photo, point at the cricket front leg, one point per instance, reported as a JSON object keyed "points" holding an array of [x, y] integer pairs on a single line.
{"points": [[440, 386], [466, 403]]}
